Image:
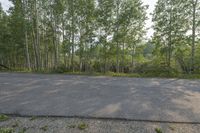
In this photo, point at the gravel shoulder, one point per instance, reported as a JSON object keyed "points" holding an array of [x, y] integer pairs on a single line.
{"points": [[75, 125]]}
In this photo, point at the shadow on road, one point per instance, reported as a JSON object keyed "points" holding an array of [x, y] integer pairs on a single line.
{"points": [[104, 97]]}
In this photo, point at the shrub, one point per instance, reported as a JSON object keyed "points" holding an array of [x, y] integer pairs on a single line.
{"points": [[156, 70]]}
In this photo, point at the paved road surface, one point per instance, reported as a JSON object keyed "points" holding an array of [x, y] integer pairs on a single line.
{"points": [[105, 97]]}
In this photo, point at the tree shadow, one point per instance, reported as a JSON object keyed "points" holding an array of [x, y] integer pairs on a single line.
{"points": [[102, 97]]}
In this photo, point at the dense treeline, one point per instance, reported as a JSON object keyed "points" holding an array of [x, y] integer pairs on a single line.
{"points": [[100, 36], [176, 38]]}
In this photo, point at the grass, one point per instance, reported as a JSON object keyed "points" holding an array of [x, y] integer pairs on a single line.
{"points": [[82, 126], [113, 74], [137, 75], [3, 118], [44, 128], [158, 130], [6, 130]]}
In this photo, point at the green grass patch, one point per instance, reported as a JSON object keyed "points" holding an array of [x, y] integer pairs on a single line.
{"points": [[82, 126], [158, 130], [3, 118], [6, 130]]}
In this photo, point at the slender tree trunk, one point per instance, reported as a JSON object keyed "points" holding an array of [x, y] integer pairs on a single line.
{"points": [[170, 40], [57, 43], [117, 37], [63, 36], [36, 29], [34, 51], [55, 47], [46, 55], [105, 58], [26, 36], [193, 35], [133, 54], [81, 50], [69, 53], [72, 60], [80, 56], [123, 56], [27, 52], [37, 40]]}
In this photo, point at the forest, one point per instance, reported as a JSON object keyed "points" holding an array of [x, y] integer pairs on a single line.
{"points": [[101, 36]]}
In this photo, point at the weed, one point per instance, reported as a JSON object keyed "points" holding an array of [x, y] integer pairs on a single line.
{"points": [[172, 128], [72, 126], [23, 130], [44, 128], [33, 118], [15, 125]]}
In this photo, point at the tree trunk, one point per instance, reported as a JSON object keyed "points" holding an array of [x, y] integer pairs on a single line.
{"points": [[117, 37], [72, 60], [55, 46], [34, 51], [132, 59], [193, 35], [63, 36], [123, 56], [36, 37], [28, 64], [170, 40]]}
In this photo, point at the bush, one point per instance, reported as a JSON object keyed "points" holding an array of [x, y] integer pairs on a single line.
{"points": [[60, 69], [156, 70]]}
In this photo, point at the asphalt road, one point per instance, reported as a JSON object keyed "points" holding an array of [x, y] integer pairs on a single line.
{"points": [[170, 100]]}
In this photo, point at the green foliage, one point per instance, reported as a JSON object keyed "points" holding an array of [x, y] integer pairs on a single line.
{"points": [[100, 36], [156, 69], [80, 35], [60, 69], [189, 76], [172, 24], [3, 118]]}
